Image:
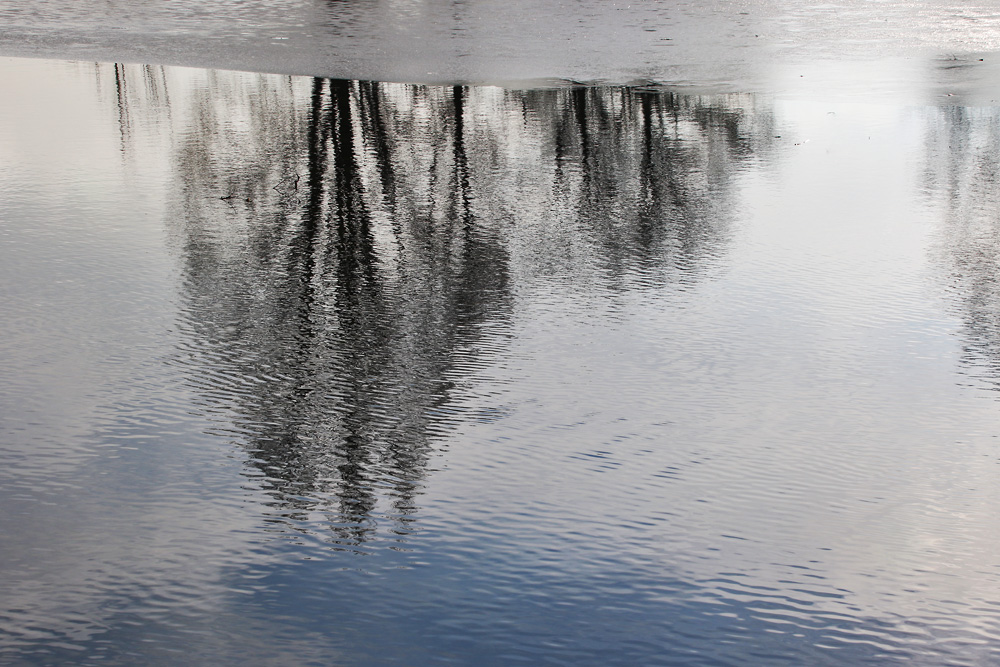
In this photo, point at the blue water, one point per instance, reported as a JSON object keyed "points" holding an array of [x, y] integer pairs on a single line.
{"points": [[311, 371]]}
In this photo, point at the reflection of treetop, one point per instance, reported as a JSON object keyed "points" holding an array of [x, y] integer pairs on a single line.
{"points": [[963, 155], [350, 251]]}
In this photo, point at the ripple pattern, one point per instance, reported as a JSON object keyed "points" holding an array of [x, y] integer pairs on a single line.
{"points": [[332, 371]]}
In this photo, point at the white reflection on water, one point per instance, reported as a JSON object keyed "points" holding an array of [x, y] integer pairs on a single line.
{"points": [[295, 367], [105, 471]]}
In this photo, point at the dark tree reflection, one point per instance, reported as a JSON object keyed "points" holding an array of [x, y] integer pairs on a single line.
{"points": [[352, 250], [963, 176], [649, 173]]}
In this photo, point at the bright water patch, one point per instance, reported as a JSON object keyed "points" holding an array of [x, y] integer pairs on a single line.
{"points": [[321, 371]]}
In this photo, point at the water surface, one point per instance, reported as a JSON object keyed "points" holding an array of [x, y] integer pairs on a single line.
{"points": [[343, 372], [704, 45]]}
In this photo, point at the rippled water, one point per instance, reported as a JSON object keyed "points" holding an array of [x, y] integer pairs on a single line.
{"points": [[309, 371], [706, 45]]}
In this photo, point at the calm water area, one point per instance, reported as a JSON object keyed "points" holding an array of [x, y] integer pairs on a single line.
{"points": [[697, 364]]}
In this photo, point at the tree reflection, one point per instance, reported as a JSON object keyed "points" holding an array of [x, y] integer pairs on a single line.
{"points": [[963, 163], [351, 252], [648, 174]]}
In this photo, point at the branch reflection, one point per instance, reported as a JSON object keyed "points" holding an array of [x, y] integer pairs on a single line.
{"points": [[352, 254]]}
